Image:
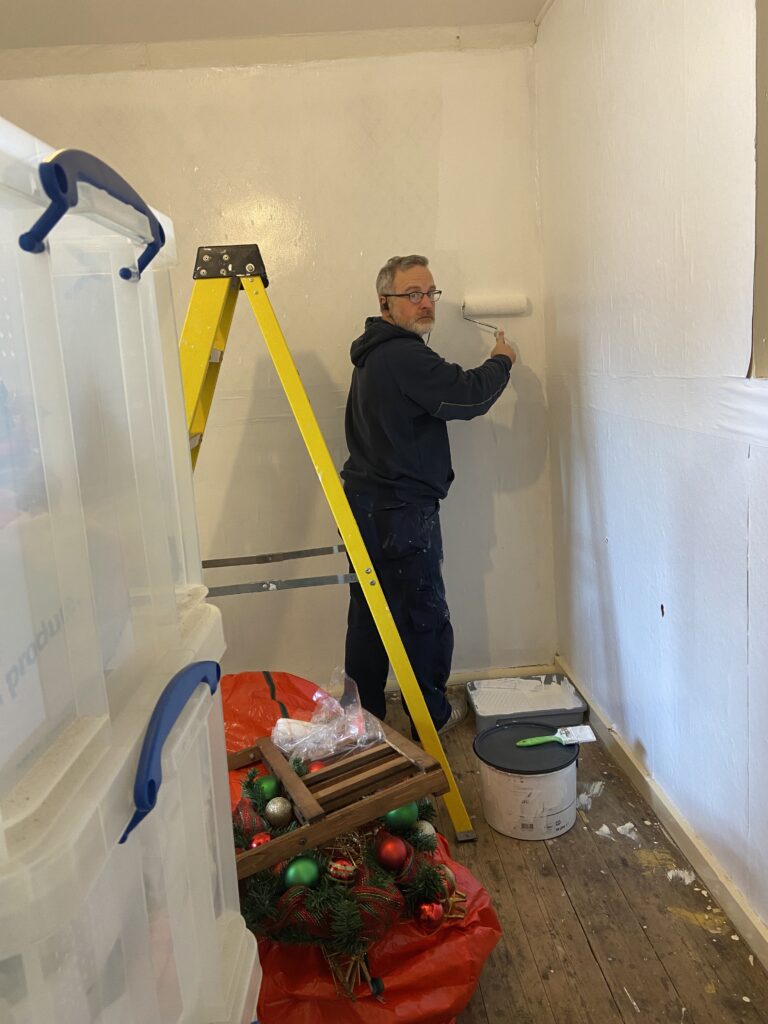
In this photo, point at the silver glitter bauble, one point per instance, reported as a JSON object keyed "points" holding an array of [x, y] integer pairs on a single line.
{"points": [[424, 829]]}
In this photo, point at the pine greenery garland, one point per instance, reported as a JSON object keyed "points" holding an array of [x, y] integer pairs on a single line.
{"points": [[331, 901], [427, 810], [423, 844], [258, 899], [346, 925], [427, 887]]}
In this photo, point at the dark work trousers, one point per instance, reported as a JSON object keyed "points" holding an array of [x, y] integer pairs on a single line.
{"points": [[406, 548]]}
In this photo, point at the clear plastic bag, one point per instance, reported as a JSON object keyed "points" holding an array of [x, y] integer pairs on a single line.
{"points": [[337, 726]]}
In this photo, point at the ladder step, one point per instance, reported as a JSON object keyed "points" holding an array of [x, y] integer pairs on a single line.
{"points": [[265, 586], [273, 556]]}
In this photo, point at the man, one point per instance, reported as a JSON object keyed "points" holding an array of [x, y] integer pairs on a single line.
{"points": [[398, 471]]}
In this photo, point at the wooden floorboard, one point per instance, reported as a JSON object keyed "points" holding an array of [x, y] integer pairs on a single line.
{"points": [[600, 926]]}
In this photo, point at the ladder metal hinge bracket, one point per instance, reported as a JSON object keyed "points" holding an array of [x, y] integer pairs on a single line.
{"points": [[215, 261]]}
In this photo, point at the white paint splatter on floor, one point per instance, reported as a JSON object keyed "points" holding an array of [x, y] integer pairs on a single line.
{"points": [[685, 876], [629, 831], [629, 997], [588, 794], [604, 831]]}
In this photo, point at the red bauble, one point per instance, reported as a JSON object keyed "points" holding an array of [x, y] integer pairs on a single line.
{"points": [[429, 916], [342, 869], [316, 766], [260, 839], [391, 851]]}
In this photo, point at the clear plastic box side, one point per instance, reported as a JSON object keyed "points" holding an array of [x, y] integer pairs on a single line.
{"points": [[109, 379], [50, 670], [170, 404]]}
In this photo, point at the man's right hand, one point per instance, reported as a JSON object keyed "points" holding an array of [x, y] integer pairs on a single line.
{"points": [[501, 348]]}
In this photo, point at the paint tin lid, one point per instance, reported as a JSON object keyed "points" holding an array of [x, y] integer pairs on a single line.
{"points": [[497, 748]]}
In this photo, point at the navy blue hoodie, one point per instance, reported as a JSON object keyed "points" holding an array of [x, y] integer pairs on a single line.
{"points": [[401, 395]]}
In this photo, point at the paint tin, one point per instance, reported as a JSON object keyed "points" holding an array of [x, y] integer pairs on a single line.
{"points": [[528, 792]]}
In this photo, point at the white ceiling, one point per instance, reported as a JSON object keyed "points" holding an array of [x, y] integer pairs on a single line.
{"points": [[91, 22]]}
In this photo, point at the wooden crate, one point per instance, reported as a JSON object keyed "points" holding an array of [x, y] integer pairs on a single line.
{"points": [[344, 795]]}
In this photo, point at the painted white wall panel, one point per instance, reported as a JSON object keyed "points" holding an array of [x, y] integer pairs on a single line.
{"points": [[755, 850], [649, 199], [332, 167], [646, 118]]}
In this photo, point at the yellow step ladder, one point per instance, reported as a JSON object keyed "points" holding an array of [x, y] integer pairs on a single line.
{"points": [[221, 272]]}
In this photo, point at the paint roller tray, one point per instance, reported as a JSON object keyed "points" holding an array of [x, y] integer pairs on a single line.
{"points": [[550, 699]]}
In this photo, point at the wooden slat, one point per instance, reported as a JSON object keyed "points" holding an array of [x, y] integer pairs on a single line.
{"points": [[407, 747], [360, 813], [242, 758], [348, 764], [304, 803], [362, 793], [363, 779]]}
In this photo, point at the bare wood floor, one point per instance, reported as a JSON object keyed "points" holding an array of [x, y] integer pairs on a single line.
{"points": [[596, 930]]}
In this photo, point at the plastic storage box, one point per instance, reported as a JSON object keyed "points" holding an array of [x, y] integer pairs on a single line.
{"points": [[550, 698], [102, 604]]}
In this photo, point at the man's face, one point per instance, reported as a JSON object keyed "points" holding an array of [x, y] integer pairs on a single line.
{"points": [[417, 317]]}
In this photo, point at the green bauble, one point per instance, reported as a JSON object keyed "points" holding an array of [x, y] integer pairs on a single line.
{"points": [[269, 786], [302, 871], [402, 818]]}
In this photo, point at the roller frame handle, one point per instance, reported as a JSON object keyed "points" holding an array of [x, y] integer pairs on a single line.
{"points": [[172, 701], [59, 176]]}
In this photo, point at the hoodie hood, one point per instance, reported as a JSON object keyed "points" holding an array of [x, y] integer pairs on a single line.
{"points": [[377, 331]]}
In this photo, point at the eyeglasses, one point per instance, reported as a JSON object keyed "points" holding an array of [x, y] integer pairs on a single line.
{"points": [[433, 295]]}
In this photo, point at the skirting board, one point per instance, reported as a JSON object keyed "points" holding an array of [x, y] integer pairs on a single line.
{"points": [[717, 881]]}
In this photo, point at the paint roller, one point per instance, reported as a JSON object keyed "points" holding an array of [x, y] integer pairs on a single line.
{"points": [[493, 304]]}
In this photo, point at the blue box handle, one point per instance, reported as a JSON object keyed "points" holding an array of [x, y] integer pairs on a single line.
{"points": [[171, 703], [59, 175]]}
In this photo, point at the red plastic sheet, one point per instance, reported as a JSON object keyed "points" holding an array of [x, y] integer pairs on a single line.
{"points": [[428, 979], [253, 702]]}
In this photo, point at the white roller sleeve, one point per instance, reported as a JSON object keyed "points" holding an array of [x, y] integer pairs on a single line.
{"points": [[495, 304]]}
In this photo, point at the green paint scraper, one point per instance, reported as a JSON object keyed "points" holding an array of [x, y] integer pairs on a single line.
{"points": [[568, 734]]}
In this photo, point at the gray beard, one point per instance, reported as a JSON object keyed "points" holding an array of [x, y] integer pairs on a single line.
{"points": [[420, 327]]}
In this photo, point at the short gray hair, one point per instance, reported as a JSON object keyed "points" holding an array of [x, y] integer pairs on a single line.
{"points": [[385, 279]]}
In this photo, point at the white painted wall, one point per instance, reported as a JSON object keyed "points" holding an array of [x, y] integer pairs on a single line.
{"points": [[332, 167], [646, 118]]}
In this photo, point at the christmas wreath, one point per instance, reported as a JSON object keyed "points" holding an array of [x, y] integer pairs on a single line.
{"points": [[346, 895]]}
